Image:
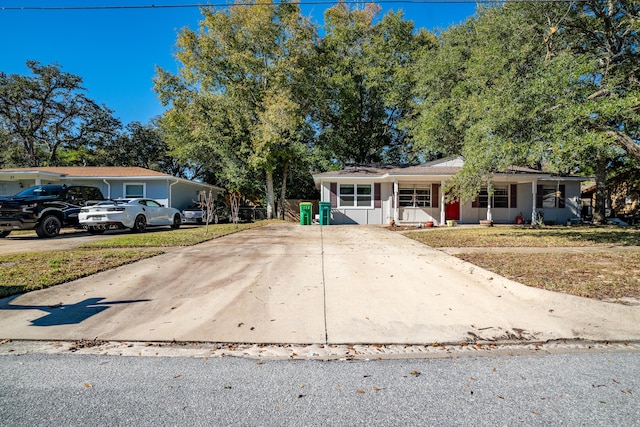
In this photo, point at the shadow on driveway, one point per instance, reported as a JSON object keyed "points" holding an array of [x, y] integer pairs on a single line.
{"points": [[66, 314]]}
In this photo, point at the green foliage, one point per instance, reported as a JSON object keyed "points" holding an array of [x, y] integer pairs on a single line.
{"points": [[365, 89], [46, 116], [530, 84], [238, 104]]}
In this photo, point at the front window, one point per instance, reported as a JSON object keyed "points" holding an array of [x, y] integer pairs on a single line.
{"points": [[550, 196], [132, 191], [356, 195], [414, 197], [500, 197]]}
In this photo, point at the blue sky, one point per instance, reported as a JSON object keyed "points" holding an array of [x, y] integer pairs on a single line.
{"points": [[116, 51]]}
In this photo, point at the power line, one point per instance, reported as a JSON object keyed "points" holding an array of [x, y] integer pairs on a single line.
{"points": [[318, 2]]}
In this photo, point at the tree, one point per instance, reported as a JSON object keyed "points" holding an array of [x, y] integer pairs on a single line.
{"points": [[143, 146], [366, 86], [526, 84], [47, 113], [248, 63]]}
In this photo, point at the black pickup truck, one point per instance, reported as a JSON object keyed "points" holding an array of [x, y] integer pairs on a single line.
{"points": [[45, 208]]}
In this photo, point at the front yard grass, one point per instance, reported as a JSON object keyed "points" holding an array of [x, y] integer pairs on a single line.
{"points": [[603, 275], [543, 237], [165, 237], [30, 271]]}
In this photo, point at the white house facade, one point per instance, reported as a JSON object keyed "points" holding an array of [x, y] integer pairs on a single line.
{"points": [[414, 195]]}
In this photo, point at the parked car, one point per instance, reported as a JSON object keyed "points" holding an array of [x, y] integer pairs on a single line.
{"points": [[45, 208], [134, 214], [193, 214]]}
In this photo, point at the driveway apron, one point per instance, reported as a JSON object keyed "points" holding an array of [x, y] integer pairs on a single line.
{"points": [[285, 283]]}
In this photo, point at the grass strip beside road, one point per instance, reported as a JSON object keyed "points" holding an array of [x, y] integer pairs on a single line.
{"points": [[603, 275], [185, 236], [30, 271]]}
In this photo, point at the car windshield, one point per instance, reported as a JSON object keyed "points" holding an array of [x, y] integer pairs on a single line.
{"points": [[39, 191]]}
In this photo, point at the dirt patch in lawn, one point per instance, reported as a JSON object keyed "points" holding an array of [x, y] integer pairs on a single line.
{"points": [[582, 261], [600, 275]]}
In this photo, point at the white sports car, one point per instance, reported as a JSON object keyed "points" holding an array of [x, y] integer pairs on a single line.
{"points": [[135, 214]]}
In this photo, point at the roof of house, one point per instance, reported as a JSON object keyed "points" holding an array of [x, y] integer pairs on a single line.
{"points": [[100, 172], [442, 167], [94, 171]]}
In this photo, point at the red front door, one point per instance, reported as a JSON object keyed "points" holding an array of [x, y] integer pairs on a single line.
{"points": [[452, 210]]}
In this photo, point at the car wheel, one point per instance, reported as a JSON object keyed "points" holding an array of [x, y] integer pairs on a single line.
{"points": [[140, 225], [4, 233], [49, 226], [94, 230], [177, 221]]}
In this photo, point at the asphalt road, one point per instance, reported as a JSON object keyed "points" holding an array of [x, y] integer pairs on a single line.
{"points": [[79, 390]]}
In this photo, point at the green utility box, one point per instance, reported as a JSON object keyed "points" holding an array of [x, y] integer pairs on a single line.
{"points": [[305, 213], [325, 213]]}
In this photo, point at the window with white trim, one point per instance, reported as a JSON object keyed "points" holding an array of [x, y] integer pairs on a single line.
{"points": [[134, 190], [414, 197], [355, 195]]}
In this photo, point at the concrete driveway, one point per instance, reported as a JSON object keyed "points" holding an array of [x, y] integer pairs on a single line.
{"points": [[285, 283]]}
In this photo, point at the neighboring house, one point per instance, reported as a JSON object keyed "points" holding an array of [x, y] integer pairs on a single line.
{"points": [[413, 195], [115, 182]]}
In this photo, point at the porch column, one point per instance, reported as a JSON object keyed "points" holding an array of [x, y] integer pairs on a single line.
{"points": [[489, 197], [443, 218], [395, 202], [534, 191]]}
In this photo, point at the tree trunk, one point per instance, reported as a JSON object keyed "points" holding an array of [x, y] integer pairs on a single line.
{"points": [[599, 211], [270, 194], [283, 192]]}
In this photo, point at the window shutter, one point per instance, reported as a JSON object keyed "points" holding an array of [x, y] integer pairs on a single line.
{"points": [[377, 203], [333, 196], [539, 197], [435, 195], [561, 202], [514, 196]]}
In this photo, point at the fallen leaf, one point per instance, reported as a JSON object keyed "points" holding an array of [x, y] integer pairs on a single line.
{"points": [[415, 373], [360, 391], [377, 389], [88, 385]]}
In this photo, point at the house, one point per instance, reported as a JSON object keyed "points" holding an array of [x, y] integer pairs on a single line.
{"points": [[367, 194], [115, 182]]}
